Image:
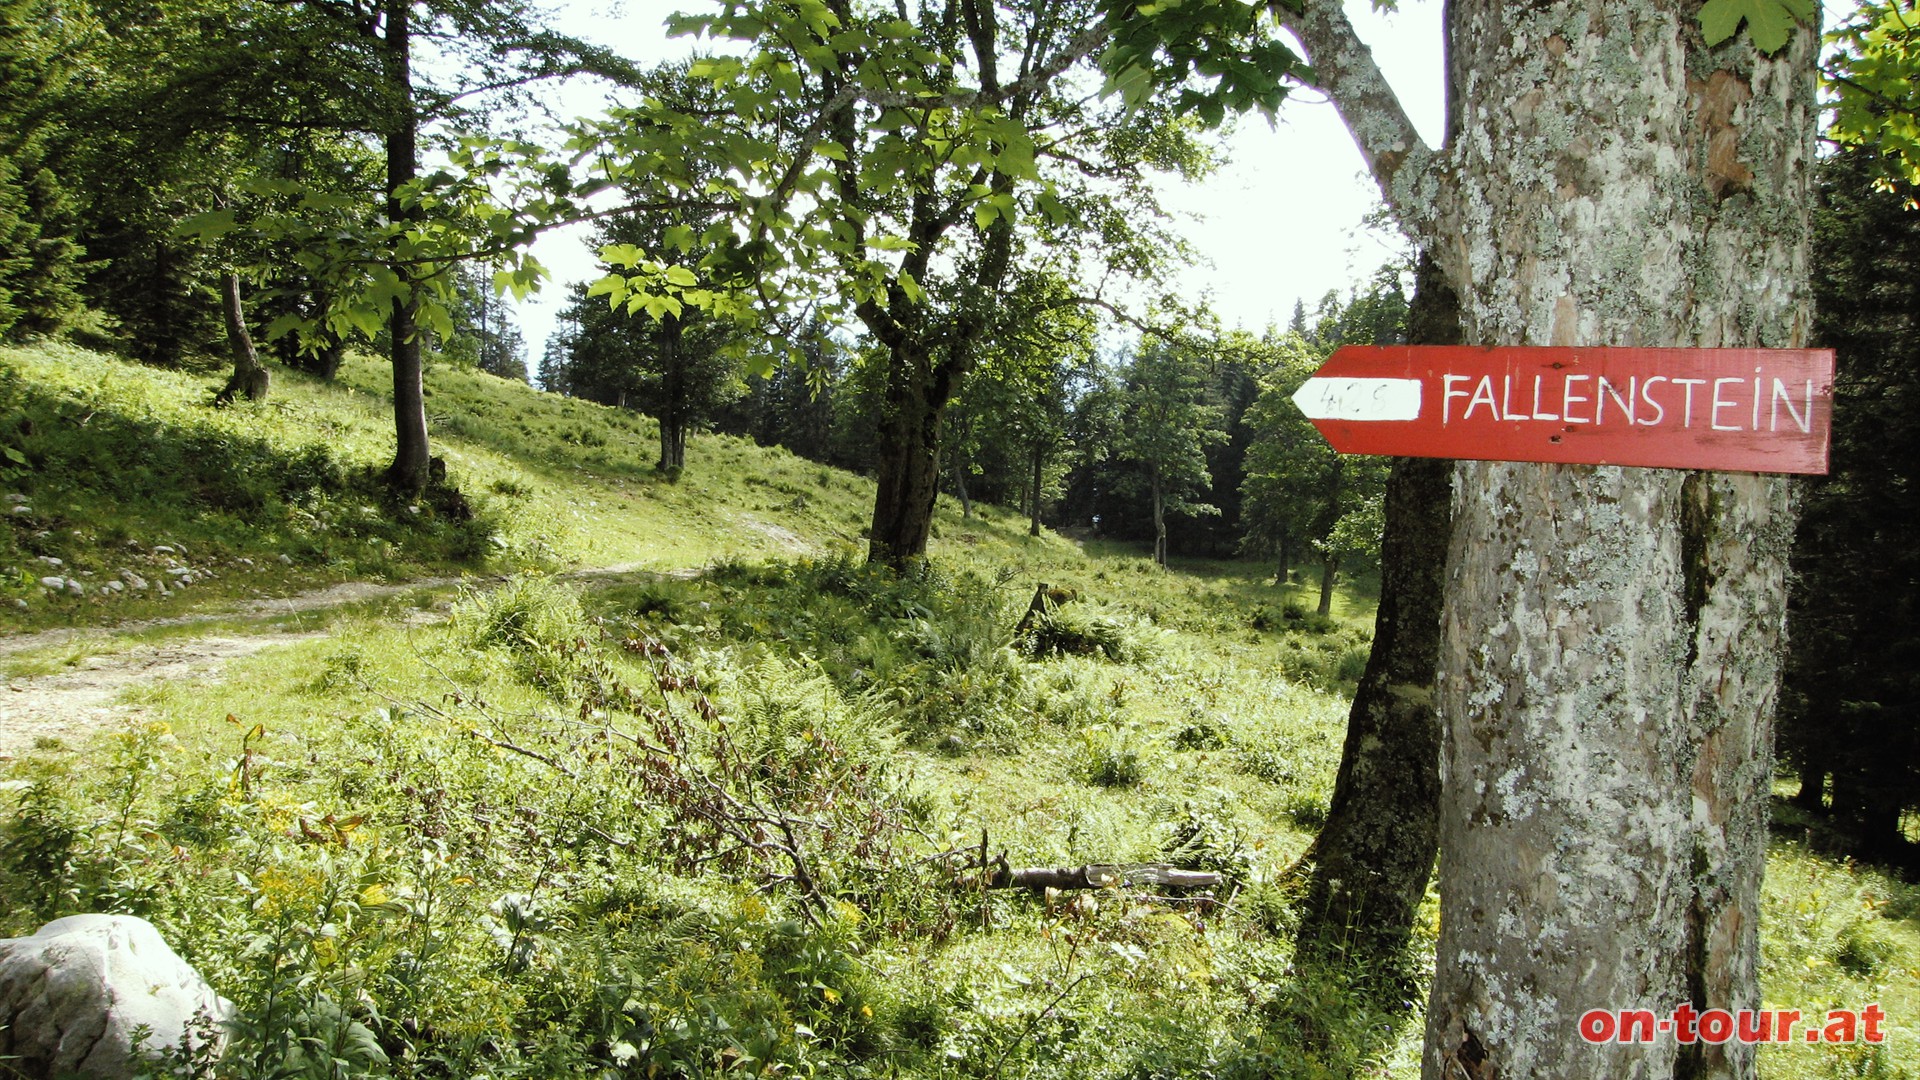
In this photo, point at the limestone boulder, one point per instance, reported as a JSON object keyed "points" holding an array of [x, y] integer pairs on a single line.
{"points": [[75, 996]]}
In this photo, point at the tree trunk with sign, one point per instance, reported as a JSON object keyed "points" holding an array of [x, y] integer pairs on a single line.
{"points": [[1612, 636]]}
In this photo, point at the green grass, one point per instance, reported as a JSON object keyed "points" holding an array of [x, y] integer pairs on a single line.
{"points": [[498, 806]]}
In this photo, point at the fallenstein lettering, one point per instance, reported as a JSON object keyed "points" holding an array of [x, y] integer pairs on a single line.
{"points": [[1759, 403]]}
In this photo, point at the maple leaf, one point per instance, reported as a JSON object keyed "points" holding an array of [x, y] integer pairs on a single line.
{"points": [[1770, 23]]}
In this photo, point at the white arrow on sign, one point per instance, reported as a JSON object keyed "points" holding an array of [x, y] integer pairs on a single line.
{"points": [[1344, 398]]}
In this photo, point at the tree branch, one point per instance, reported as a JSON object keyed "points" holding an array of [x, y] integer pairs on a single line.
{"points": [[1402, 164]]}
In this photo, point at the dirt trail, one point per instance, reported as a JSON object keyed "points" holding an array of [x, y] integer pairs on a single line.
{"points": [[86, 696]]}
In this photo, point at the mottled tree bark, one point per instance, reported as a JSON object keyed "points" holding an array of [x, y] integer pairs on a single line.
{"points": [[1612, 636], [1369, 867]]}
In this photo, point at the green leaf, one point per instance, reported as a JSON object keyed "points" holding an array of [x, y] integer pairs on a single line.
{"points": [[759, 365], [211, 225], [621, 255], [437, 318], [13, 455], [681, 276], [1770, 23], [284, 325]]}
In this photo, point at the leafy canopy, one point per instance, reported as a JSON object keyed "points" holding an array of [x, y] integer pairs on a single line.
{"points": [[1875, 69]]}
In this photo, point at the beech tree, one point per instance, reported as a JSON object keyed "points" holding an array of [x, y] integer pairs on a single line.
{"points": [[1603, 825], [911, 158], [1623, 174]]}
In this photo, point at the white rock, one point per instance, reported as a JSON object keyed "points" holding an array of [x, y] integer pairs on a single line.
{"points": [[286, 560], [180, 571], [115, 586], [22, 509], [20, 603], [72, 995], [163, 549], [14, 496], [51, 561], [53, 583], [76, 588]]}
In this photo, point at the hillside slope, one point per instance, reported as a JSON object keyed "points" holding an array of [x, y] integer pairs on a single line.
{"points": [[127, 496]]}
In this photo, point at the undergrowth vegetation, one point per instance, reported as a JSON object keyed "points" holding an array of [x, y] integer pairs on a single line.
{"points": [[725, 824]]}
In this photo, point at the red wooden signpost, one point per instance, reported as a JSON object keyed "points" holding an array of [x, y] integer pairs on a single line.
{"points": [[1736, 410]]}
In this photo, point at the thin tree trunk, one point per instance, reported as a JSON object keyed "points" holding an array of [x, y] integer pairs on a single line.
{"points": [[673, 414], [1370, 864], [411, 456], [249, 377], [1159, 518], [1039, 462], [1329, 574]]}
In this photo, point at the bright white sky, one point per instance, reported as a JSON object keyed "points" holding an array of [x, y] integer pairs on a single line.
{"points": [[1283, 221]]}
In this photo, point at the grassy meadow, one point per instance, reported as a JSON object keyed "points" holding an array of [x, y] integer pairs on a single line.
{"points": [[723, 811]]}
